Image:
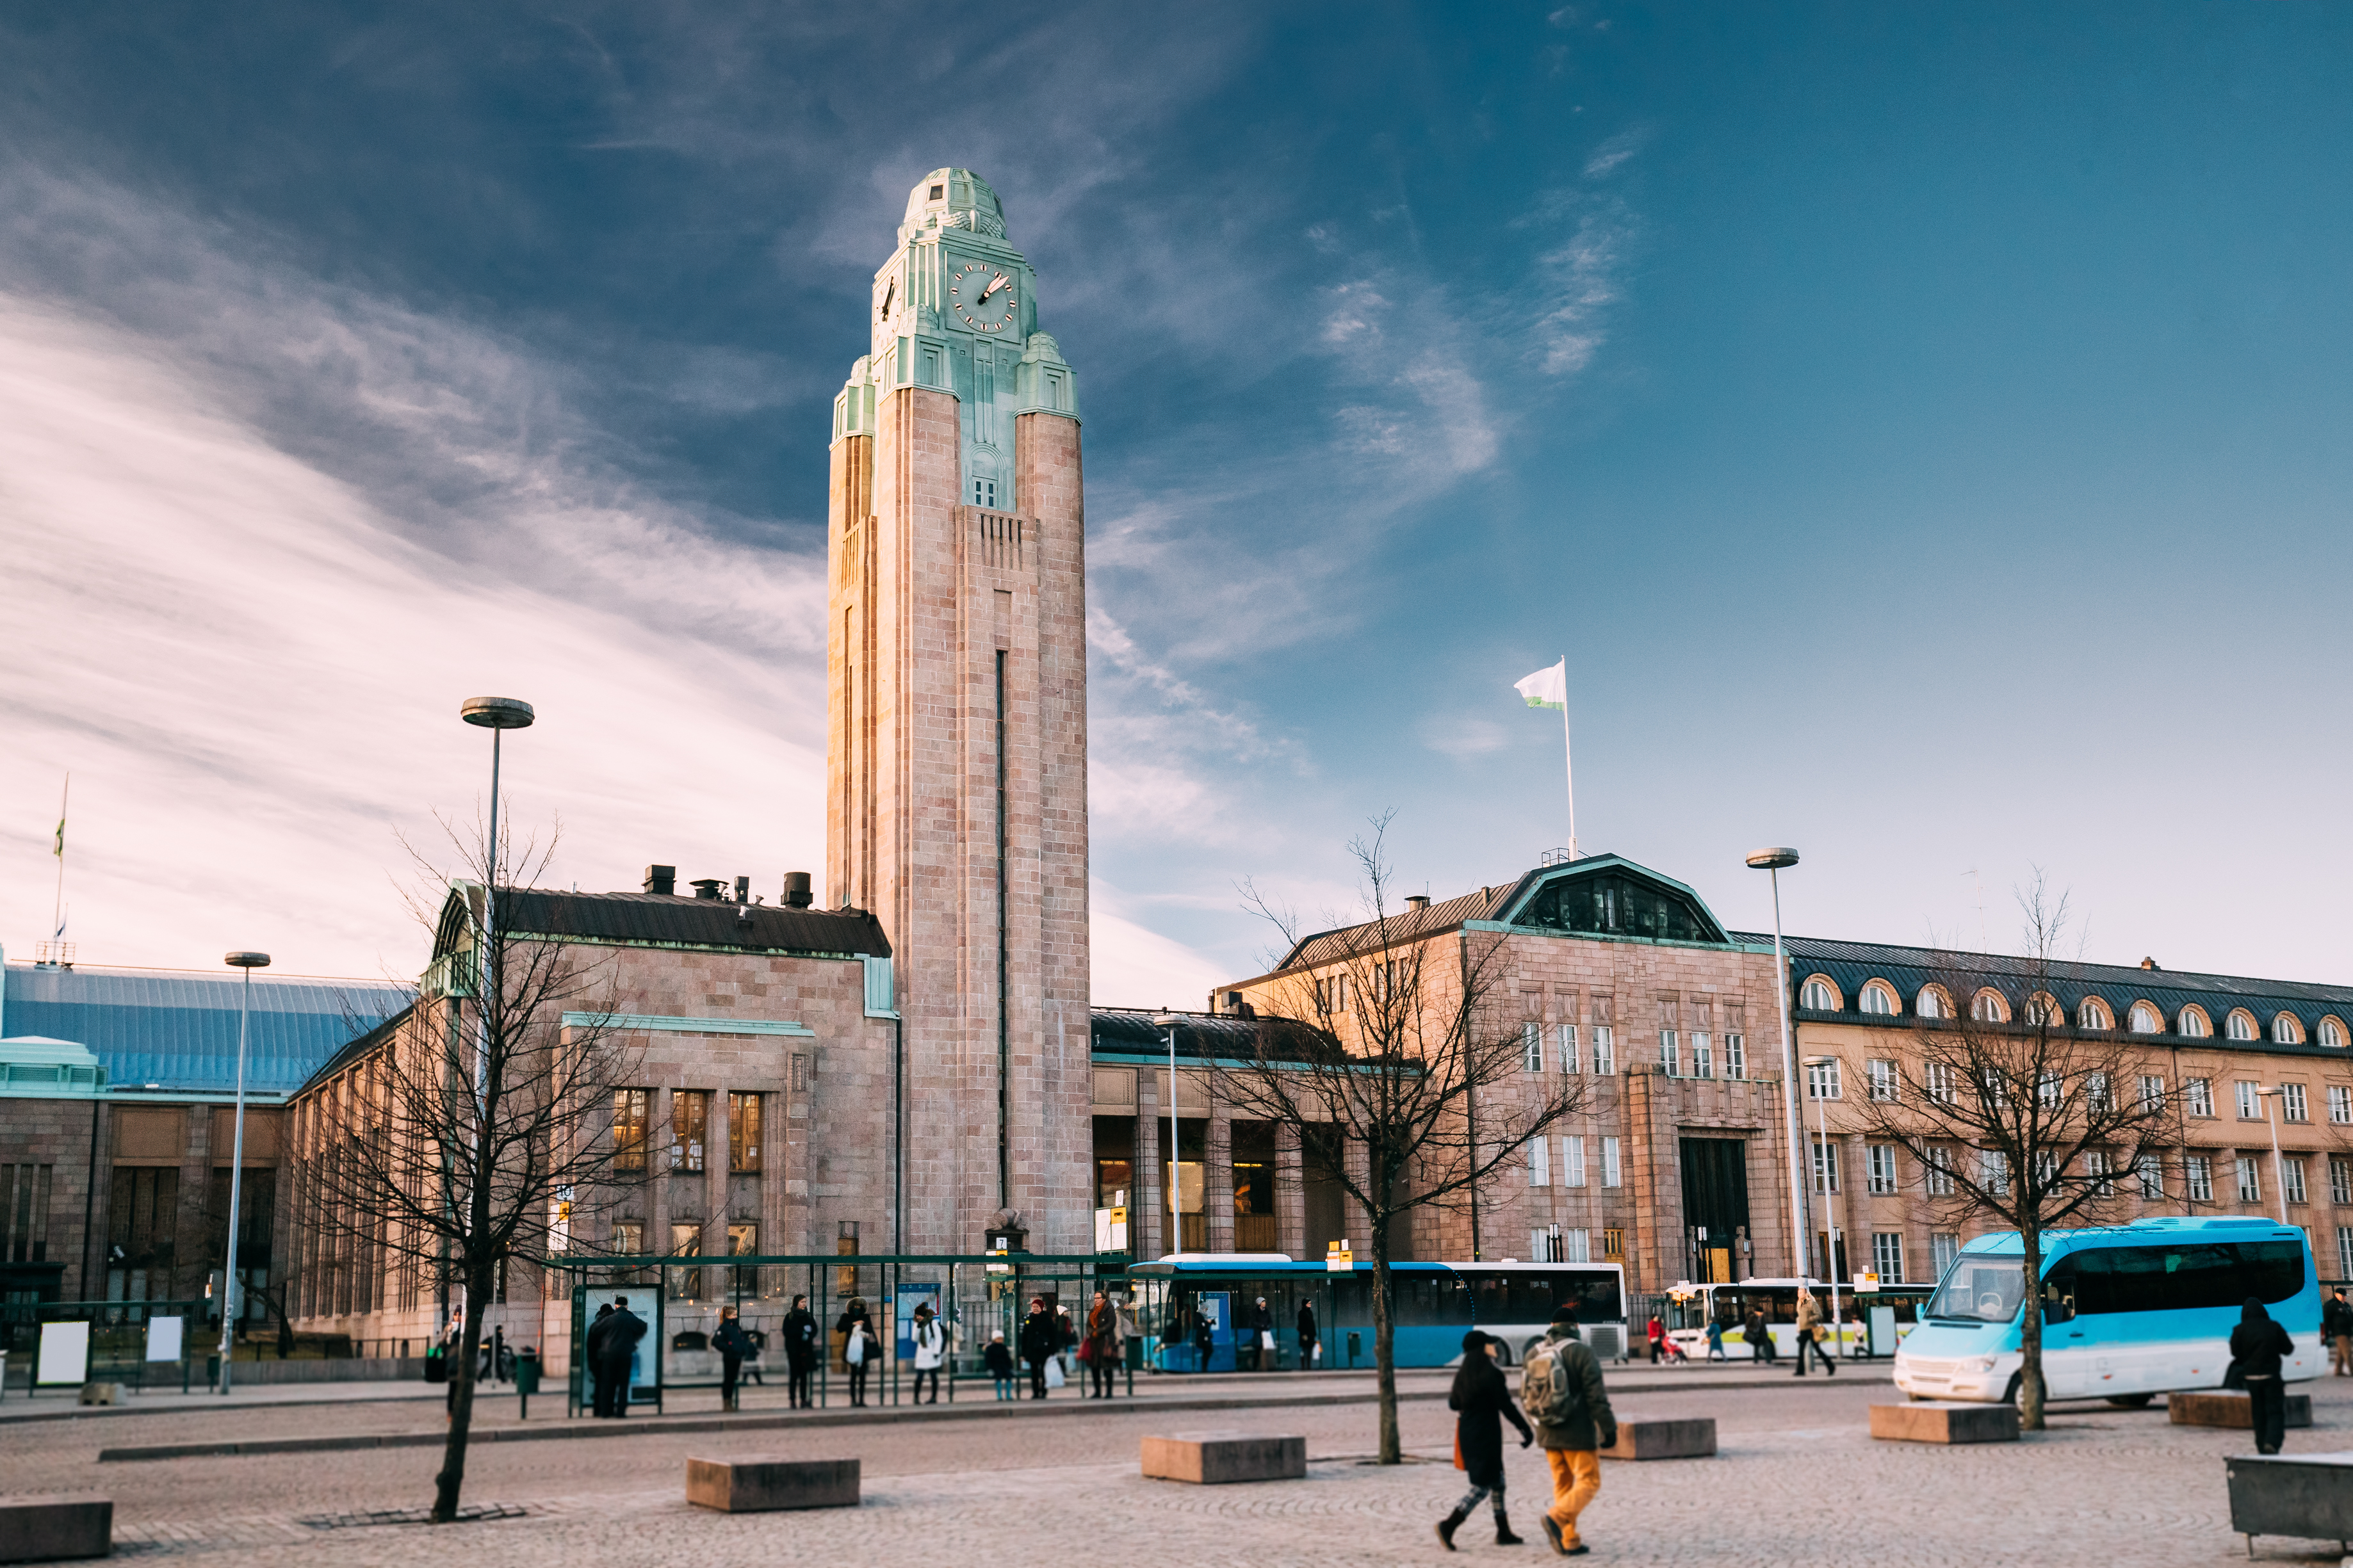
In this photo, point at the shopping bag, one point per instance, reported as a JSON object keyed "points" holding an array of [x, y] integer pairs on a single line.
{"points": [[1054, 1378], [1266, 1341], [1458, 1450], [854, 1352]]}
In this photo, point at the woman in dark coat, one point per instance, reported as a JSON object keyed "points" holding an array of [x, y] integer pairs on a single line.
{"points": [[733, 1344], [2257, 1345], [1481, 1400]]}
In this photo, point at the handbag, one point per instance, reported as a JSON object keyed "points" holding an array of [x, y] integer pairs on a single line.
{"points": [[1458, 1449], [1087, 1350], [2235, 1374]]}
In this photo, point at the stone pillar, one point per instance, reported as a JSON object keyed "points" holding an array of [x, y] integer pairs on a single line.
{"points": [[657, 1177], [1854, 1203], [1147, 1219], [1218, 1180], [1290, 1195], [1357, 1161]]}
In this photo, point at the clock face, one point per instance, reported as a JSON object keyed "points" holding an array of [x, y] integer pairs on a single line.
{"points": [[983, 297]]}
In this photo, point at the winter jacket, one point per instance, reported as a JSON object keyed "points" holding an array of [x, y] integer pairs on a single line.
{"points": [[1810, 1314], [1102, 1328], [2332, 1313], [1306, 1325], [931, 1342], [1481, 1402], [1037, 1337], [2258, 1343], [733, 1342], [1595, 1424], [623, 1329], [999, 1359], [800, 1336]]}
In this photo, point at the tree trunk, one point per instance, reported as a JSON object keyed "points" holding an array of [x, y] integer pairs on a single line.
{"points": [[452, 1479], [2031, 1389], [1384, 1343]]}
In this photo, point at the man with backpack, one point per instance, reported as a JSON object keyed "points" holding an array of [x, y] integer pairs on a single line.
{"points": [[1560, 1388]]}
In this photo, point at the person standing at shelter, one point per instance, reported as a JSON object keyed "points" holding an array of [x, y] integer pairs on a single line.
{"points": [[858, 1346], [999, 1359], [1810, 1323], [799, 1329], [1307, 1340], [623, 1329], [1261, 1336], [1205, 1337], [2257, 1345], [1560, 1385], [592, 1358], [1102, 1348], [931, 1341], [1482, 1401], [734, 1345], [1038, 1344]]}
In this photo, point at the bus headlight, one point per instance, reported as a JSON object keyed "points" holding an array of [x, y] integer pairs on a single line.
{"points": [[1976, 1363]]}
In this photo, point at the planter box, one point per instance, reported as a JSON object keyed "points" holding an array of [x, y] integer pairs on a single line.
{"points": [[1692, 1439], [1218, 1458], [765, 1484], [2304, 1495], [2229, 1407], [1918, 1423], [46, 1529]]}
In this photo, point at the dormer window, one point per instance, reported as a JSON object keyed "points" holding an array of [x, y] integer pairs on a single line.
{"points": [[939, 193]]}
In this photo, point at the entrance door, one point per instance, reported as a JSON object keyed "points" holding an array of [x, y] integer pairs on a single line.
{"points": [[1715, 1204]]}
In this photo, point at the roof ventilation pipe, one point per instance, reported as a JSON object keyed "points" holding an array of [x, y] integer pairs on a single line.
{"points": [[1417, 900], [797, 890], [743, 889], [662, 879], [707, 887]]}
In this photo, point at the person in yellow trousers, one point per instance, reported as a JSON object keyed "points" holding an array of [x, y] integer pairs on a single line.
{"points": [[1561, 1389]]}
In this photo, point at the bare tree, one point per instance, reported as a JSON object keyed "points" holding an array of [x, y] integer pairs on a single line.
{"points": [[471, 1131], [1384, 1040], [2015, 1115]]}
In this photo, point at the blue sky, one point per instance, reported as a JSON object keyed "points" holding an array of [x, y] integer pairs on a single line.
{"points": [[1924, 429]]}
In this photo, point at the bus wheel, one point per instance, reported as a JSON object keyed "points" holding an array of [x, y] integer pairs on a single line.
{"points": [[2131, 1401], [2009, 1394]]}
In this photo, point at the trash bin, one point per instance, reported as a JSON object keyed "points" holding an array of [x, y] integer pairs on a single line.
{"points": [[526, 1370]]}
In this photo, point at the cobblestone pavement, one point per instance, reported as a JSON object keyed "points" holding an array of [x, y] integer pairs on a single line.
{"points": [[1796, 1481]]}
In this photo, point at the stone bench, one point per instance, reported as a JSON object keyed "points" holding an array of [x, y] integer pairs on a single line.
{"points": [[1935, 1423], [102, 1393], [2310, 1495], [762, 1483], [2229, 1407], [1215, 1458], [1690, 1440], [45, 1528]]}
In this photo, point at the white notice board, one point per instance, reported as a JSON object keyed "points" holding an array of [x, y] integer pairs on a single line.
{"points": [[65, 1355], [163, 1338]]}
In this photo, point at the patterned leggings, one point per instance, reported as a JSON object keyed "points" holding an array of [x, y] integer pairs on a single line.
{"points": [[1470, 1502]]}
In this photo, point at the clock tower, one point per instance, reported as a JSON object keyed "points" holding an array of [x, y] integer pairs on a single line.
{"points": [[956, 710]]}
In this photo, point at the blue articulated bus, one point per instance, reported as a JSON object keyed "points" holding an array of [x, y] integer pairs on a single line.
{"points": [[2129, 1311]]}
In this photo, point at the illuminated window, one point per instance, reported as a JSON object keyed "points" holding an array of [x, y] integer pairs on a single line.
{"points": [[743, 1133], [629, 1127], [690, 1115]]}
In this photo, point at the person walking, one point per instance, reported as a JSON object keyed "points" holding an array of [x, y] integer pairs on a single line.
{"points": [[623, 1329], [930, 1340], [1715, 1340], [1101, 1350], [2256, 1345], [1482, 1401], [1810, 1323], [858, 1346], [999, 1359], [1560, 1385], [734, 1345], [799, 1329], [1656, 1333], [1759, 1335], [1037, 1345], [2336, 1324], [1205, 1339]]}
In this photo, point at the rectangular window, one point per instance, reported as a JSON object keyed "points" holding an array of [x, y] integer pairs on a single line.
{"points": [[2096, 1165], [2095, 1092], [1576, 1246], [2152, 1091], [2251, 1181], [2198, 1175], [2249, 1108], [1610, 1172], [1735, 1055], [1993, 1172], [2152, 1177], [743, 1133], [1532, 1047], [1671, 1059], [690, 1115], [1540, 1248], [1882, 1169], [2292, 1103], [2292, 1177], [1883, 1081], [2050, 1089], [2344, 1252], [1940, 1082], [629, 1127], [2202, 1097], [24, 1214], [1938, 1172], [1826, 1173], [1539, 1162], [1567, 1044], [1613, 1246], [1943, 1248], [2341, 1182], [629, 1238], [1702, 1054], [1572, 1160], [1822, 1082], [685, 1241], [1605, 1055], [1887, 1256], [2340, 1102], [743, 1241]]}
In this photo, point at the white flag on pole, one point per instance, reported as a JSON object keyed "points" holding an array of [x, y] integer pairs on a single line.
{"points": [[1547, 687]]}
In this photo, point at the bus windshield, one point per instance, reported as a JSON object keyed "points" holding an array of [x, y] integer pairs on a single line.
{"points": [[1983, 1290]]}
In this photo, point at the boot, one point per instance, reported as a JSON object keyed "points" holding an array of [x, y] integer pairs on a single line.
{"points": [[1504, 1536], [1448, 1525]]}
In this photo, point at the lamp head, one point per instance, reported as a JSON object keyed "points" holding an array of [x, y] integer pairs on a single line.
{"points": [[1771, 859], [1820, 1061], [2268, 1091], [246, 960], [495, 712], [1165, 1020]]}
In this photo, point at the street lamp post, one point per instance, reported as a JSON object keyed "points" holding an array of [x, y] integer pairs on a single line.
{"points": [[1169, 1021], [498, 715], [2279, 1174], [1772, 861], [1830, 1213], [230, 1302]]}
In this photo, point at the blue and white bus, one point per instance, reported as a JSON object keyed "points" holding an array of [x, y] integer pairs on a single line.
{"points": [[2129, 1311]]}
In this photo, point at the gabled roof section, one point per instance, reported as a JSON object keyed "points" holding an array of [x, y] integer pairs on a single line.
{"points": [[663, 919]]}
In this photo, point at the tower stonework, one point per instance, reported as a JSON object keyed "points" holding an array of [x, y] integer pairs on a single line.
{"points": [[957, 752]]}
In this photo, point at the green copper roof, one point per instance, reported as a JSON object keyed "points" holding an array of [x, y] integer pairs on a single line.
{"points": [[953, 199]]}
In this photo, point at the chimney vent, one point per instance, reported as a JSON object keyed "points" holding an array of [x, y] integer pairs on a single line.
{"points": [[662, 879], [743, 889], [2149, 963], [706, 887], [1417, 900], [797, 890]]}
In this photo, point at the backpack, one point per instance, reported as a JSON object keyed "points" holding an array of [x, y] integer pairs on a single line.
{"points": [[1546, 1391]]}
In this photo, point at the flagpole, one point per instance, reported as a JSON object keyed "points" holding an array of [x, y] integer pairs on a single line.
{"points": [[1568, 756], [57, 911]]}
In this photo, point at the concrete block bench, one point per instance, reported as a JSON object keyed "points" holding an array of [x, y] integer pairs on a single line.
{"points": [[2229, 1407], [102, 1393], [1934, 1423], [1690, 1440], [46, 1528], [763, 1484], [2305, 1495], [1215, 1458]]}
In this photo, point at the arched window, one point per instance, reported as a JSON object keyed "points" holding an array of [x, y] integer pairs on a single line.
{"points": [[2332, 1032], [2195, 1024], [2241, 1025], [1932, 1004], [1988, 1007], [2044, 1009], [1818, 996], [2095, 1015], [2286, 1031], [1879, 999], [2147, 1019]]}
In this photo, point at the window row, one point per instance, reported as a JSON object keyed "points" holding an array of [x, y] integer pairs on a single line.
{"points": [[1572, 1166], [635, 1142], [1552, 1244], [1940, 1082], [1696, 1054], [1943, 1170], [1819, 994]]}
